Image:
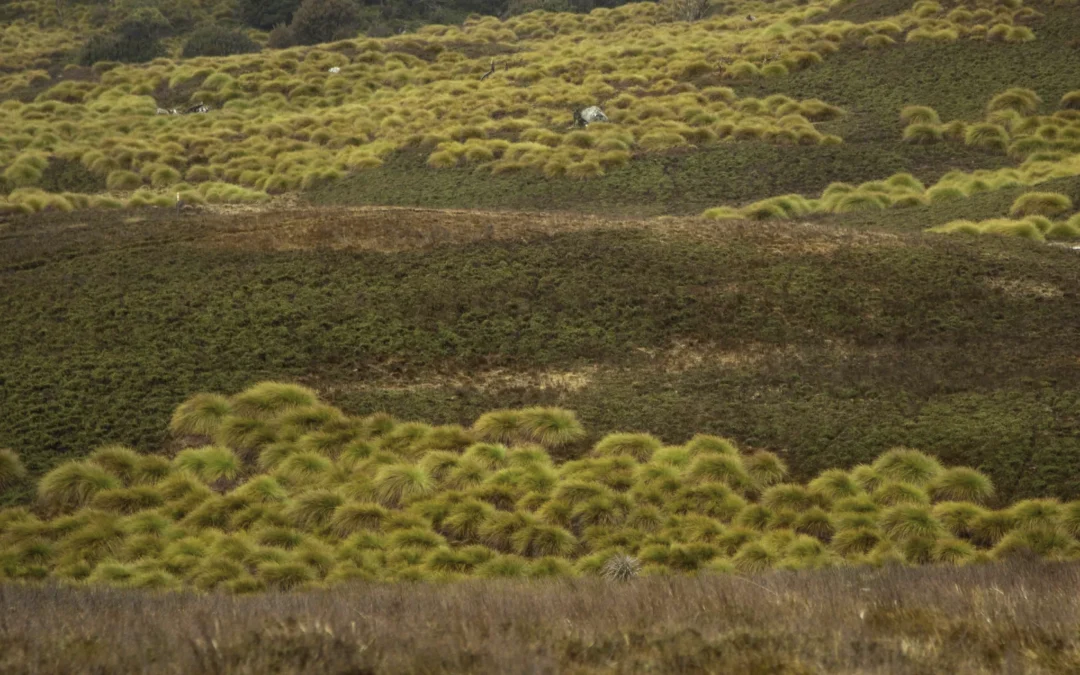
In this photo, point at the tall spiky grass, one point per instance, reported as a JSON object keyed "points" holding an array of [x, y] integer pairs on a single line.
{"points": [[910, 520], [638, 446], [466, 519], [919, 114], [127, 500], [270, 398], [704, 443], [891, 493], [397, 483], [727, 469], [355, 517], [541, 540], [122, 462], [1048, 204], [1031, 513], [550, 427], [73, 484], [960, 484], [1045, 541], [788, 496], [835, 484], [499, 426], [304, 468], [988, 528], [905, 464], [246, 434], [210, 463], [816, 522], [765, 468], [313, 510], [1024, 101], [986, 135], [491, 456], [285, 576], [12, 470]]}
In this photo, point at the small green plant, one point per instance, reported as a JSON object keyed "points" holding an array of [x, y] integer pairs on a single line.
{"points": [[639, 446], [551, 427], [73, 484], [11, 469], [209, 463], [919, 114], [985, 135], [1041, 203], [1024, 101], [200, 415], [960, 484], [907, 465], [215, 40], [921, 133]]}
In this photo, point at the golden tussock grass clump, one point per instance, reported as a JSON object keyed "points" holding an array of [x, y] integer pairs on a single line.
{"points": [[276, 486]]}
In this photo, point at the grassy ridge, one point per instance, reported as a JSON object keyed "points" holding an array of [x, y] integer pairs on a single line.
{"points": [[897, 620], [823, 344]]}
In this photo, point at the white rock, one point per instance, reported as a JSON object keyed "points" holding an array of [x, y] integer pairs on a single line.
{"points": [[593, 114]]}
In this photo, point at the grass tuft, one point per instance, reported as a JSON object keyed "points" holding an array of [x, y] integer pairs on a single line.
{"points": [[73, 484], [550, 427], [12, 470], [960, 484], [904, 464], [640, 447], [1048, 204]]}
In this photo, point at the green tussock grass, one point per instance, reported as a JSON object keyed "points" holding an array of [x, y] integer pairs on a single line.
{"points": [[526, 515]]}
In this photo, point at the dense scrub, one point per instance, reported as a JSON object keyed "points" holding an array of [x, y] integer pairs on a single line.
{"points": [[479, 114], [273, 489], [818, 343], [1018, 617]]}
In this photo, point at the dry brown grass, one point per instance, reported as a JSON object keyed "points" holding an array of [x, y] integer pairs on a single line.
{"points": [[1025, 288], [286, 227], [494, 380], [1017, 617]]}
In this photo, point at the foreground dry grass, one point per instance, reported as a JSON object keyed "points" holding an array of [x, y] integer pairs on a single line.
{"points": [[1018, 617]]}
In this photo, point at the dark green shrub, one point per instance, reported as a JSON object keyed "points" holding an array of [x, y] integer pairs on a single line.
{"points": [[516, 7], [116, 47], [145, 23], [214, 40], [318, 21], [281, 37], [266, 14]]}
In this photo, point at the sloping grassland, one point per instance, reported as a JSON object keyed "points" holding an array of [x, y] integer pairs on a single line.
{"points": [[826, 344]]}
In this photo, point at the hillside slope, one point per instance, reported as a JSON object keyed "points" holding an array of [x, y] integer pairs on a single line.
{"points": [[751, 102], [822, 343]]}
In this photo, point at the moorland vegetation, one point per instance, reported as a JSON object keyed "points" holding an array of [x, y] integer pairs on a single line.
{"points": [[727, 87], [826, 288], [273, 489], [759, 331], [978, 618]]}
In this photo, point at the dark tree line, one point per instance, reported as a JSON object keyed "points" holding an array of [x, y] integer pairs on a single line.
{"points": [[313, 21], [131, 30]]}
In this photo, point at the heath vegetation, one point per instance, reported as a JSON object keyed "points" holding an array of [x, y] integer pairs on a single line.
{"points": [[490, 97], [812, 433], [1020, 615], [274, 489]]}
